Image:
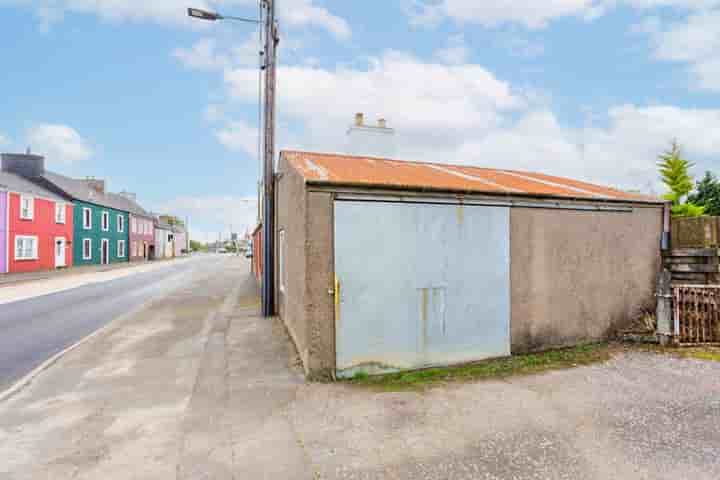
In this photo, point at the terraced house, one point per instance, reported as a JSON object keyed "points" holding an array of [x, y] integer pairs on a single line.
{"points": [[100, 223]]}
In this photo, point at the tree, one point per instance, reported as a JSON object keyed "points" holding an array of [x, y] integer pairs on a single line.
{"points": [[707, 194], [675, 173], [196, 246]]}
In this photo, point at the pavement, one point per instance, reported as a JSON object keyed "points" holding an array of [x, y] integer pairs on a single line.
{"points": [[197, 385], [21, 286], [48, 316]]}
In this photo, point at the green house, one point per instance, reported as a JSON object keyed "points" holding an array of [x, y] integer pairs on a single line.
{"points": [[100, 225], [100, 234]]}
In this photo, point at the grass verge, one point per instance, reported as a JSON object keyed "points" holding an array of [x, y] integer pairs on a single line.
{"points": [[709, 353], [488, 369]]}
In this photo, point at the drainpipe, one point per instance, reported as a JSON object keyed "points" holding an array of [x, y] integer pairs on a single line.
{"points": [[665, 240], [663, 292]]}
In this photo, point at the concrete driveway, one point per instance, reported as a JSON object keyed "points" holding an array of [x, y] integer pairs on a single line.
{"points": [[198, 386]]}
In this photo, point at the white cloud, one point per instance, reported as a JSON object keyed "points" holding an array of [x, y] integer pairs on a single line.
{"points": [[60, 143], [622, 154], [533, 15], [416, 97], [694, 40], [205, 54], [530, 14], [455, 52], [292, 13], [216, 213], [4, 140], [464, 114], [239, 136]]}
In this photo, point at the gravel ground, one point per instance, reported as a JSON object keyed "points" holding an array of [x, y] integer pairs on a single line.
{"points": [[197, 385]]}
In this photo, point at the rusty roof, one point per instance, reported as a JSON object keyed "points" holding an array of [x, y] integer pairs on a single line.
{"points": [[341, 169]]}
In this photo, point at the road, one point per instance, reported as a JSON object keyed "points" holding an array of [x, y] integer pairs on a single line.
{"points": [[31, 331]]}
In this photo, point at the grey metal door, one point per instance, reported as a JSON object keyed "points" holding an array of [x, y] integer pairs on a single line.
{"points": [[420, 284]]}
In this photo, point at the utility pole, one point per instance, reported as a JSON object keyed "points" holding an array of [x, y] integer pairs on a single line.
{"points": [[270, 54]]}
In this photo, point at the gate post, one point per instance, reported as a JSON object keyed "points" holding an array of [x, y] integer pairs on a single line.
{"points": [[663, 311]]}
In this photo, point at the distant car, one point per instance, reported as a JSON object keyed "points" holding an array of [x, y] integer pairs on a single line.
{"points": [[248, 254]]}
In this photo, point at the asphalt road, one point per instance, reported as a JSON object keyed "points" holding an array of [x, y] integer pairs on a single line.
{"points": [[31, 331]]}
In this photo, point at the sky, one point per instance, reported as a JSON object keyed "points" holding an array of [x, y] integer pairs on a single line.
{"points": [[167, 107]]}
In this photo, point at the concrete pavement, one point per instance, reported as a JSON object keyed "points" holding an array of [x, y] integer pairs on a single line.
{"points": [[196, 386], [34, 329], [18, 287]]}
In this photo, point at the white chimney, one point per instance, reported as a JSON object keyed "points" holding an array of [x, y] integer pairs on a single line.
{"points": [[369, 140]]}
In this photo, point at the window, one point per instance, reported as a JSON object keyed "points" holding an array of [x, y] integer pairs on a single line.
{"points": [[59, 213], [27, 207], [121, 248], [120, 223], [134, 249], [87, 218], [281, 259], [26, 248], [87, 249], [105, 221]]}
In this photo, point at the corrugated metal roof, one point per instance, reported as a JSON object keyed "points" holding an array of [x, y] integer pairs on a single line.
{"points": [[340, 169], [16, 183]]}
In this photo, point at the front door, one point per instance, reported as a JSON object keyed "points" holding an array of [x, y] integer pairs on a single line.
{"points": [[105, 254], [60, 252], [420, 285]]}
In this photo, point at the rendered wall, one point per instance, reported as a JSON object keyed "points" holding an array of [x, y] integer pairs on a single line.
{"points": [[3, 232], [138, 238], [96, 234], [44, 227], [290, 300], [578, 276]]}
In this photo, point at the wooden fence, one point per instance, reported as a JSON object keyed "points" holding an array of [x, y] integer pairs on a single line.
{"points": [[695, 232], [696, 312], [695, 266]]}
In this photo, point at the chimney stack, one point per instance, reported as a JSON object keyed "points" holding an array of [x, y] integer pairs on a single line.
{"points": [[95, 184], [28, 166], [129, 195], [371, 140]]}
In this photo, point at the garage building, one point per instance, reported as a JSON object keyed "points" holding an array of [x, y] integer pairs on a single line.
{"points": [[386, 265]]}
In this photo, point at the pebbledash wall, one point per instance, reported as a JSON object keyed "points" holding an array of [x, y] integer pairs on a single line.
{"points": [[575, 275], [45, 228], [96, 234], [3, 231]]}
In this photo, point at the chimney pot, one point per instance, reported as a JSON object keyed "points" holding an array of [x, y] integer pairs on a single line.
{"points": [[359, 119]]}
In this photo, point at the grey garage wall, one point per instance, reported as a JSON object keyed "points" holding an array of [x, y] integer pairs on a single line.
{"points": [[579, 275]]}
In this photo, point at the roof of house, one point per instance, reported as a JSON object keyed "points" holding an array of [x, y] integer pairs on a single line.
{"points": [[162, 224], [128, 205], [81, 190], [346, 170], [16, 183]]}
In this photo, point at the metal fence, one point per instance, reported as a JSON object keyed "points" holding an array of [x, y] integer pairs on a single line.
{"points": [[697, 313]]}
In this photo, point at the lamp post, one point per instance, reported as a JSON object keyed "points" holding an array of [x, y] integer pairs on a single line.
{"points": [[269, 67]]}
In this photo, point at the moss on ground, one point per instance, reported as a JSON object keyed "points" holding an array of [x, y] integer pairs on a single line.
{"points": [[488, 369]]}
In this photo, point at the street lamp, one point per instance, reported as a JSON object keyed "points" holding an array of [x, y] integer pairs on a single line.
{"points": [[269, 66], [214, 16]]}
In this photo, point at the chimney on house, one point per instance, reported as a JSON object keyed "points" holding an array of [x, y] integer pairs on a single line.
{"points": [[129, 195], [25, 165], [96, 184], [370, 140]]}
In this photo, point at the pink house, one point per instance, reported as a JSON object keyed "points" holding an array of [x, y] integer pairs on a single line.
{"points": [[142, 228]]}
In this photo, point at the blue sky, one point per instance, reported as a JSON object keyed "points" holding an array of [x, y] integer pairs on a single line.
{"points": [[165, 107]]}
